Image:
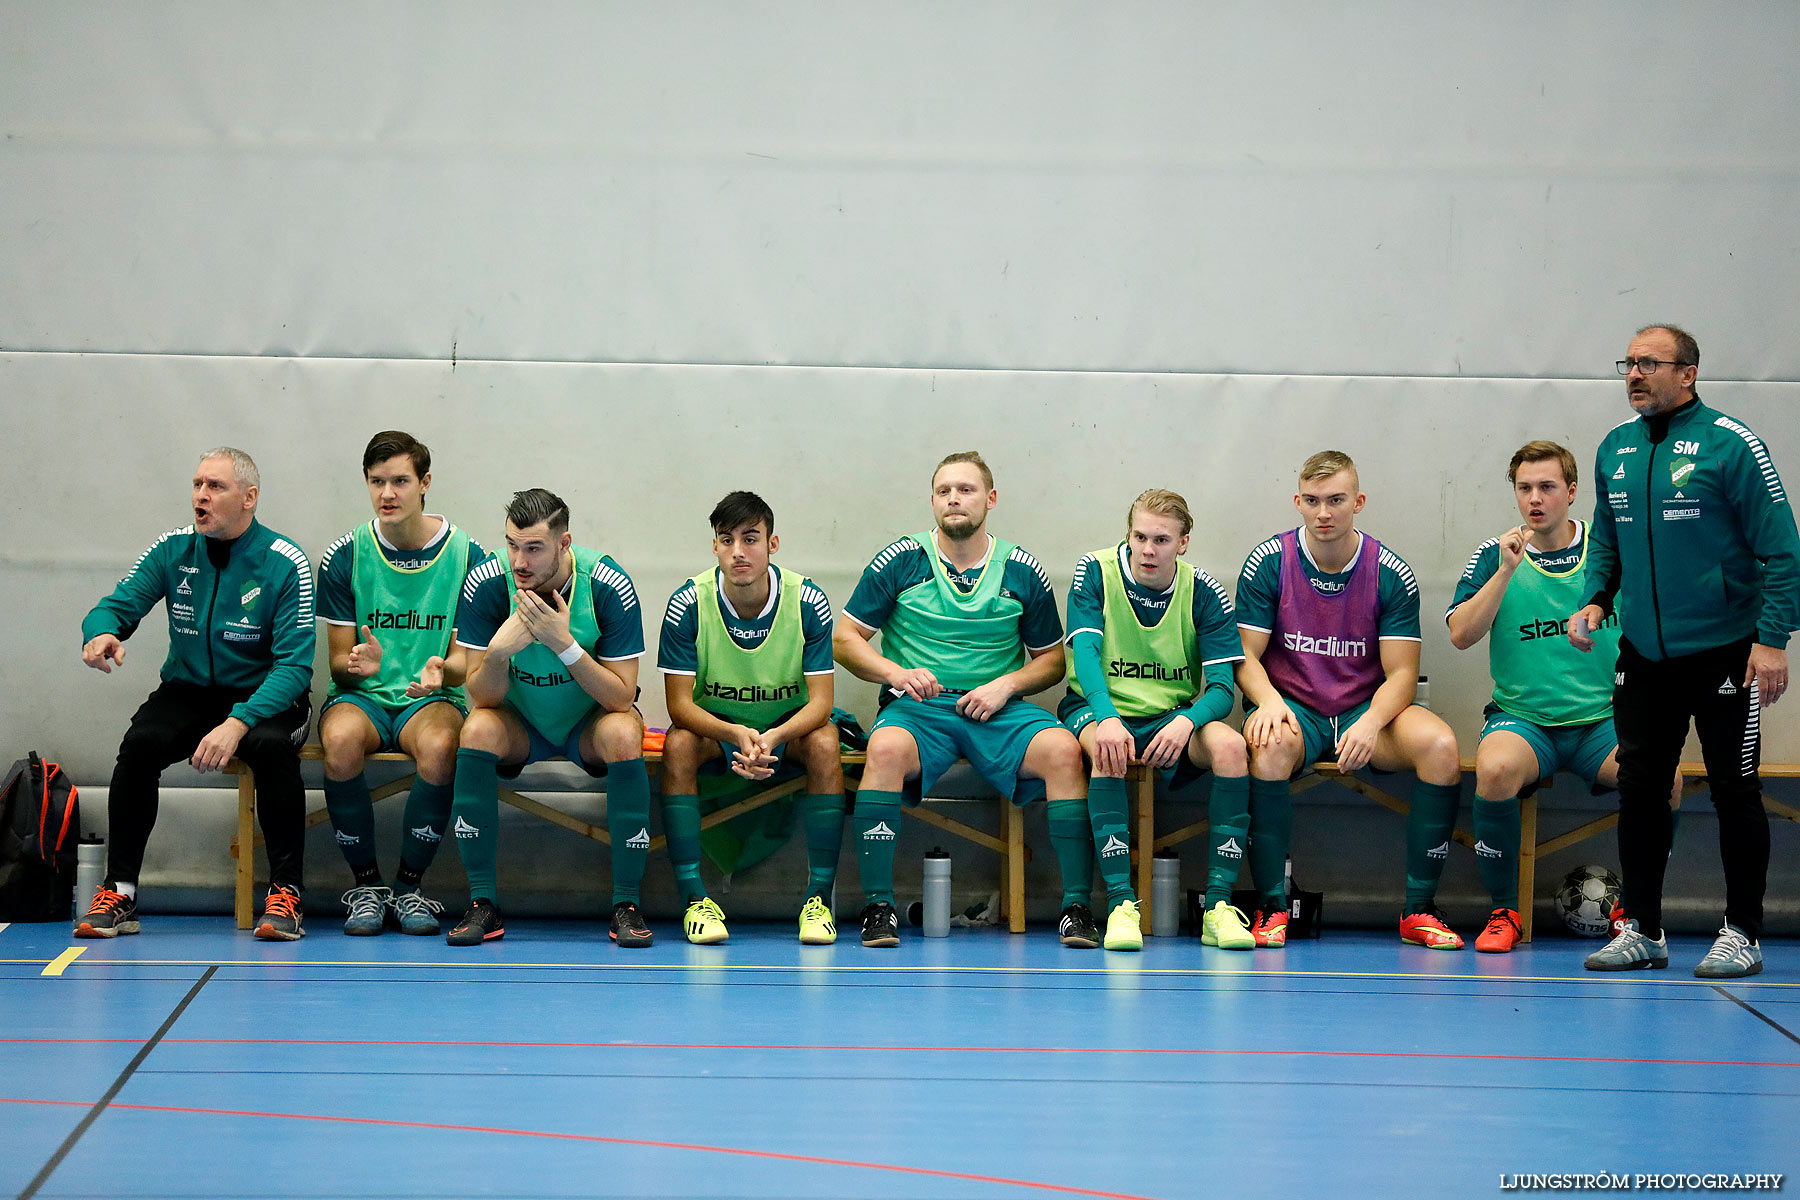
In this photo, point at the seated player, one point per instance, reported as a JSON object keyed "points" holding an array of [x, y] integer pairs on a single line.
{"points": [[239, 601], [1552, 705], [1151, 643], [746, 661], [559, 637], [968, 627], [1330, 621], [388, 594]]}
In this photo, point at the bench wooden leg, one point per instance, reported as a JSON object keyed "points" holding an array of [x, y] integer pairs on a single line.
{"points": [[246, 846], [1527, 863], [1014, 821]]}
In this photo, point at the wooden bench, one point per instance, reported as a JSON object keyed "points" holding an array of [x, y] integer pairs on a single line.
{"points": [[1530, 849], [1143, 784], [1009, 844]]}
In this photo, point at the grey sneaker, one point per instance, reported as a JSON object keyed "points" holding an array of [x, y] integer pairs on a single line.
{"points": [[418, 915], [281, 915], [1732, 956], [368, 907], [1631, 951], [111, 914]]}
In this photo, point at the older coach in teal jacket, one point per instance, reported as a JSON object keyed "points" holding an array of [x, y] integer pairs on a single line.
{"points": [[239, 598]]}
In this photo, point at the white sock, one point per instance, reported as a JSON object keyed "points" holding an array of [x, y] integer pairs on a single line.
{"points": [[127, 890]]}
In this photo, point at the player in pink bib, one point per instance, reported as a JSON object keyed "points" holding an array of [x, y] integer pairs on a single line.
{"points": [[1330, 622]]}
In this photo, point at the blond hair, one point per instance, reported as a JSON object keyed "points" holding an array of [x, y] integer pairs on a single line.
{"points": [[1325, 464], [1163, 503]]}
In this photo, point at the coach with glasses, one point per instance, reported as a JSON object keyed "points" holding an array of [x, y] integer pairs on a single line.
{"points": [[1694, 538]]}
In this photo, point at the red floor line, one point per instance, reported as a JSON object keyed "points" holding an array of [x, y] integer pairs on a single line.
{"points": [[596, 1138], [1396, 1054]]}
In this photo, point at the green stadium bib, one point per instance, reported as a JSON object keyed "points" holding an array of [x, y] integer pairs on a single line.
{"points": [[754, 687], [408, 609], [542, 689], [1149, 670], [966, 640], [1537, 674]]}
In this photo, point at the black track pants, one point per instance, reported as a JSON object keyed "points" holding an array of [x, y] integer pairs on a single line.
{"points": [[1652, 704]]}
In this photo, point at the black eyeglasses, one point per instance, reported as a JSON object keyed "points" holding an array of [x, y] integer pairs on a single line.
{"points": [[1646, 365]]}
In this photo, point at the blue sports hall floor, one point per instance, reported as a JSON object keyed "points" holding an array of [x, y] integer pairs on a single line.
{"points": [[192, 1060]]}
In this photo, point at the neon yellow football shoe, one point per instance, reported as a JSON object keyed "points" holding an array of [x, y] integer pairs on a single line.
{"points": [[816, 926], [704, 922], [1124, 928], [1225, 927]]}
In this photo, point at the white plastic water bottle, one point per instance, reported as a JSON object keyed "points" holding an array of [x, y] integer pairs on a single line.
{"points": [[1165, 894], [937, 893], [90, 871], [1422, 697]]}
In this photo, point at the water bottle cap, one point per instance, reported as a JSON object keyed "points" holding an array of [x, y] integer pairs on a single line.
{"points": [[937, 852]]}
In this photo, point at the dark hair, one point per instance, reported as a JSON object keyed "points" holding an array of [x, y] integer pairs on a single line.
{"points": [[536, 504], [1687, 350], [739, 509], [1532, 452], [391, 443]]}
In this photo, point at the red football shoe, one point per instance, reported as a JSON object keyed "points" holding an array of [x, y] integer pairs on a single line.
{"points": [[1270, 930], [1502, 933]]}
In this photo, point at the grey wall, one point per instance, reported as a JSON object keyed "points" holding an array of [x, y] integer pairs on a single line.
{"points": [[646, 254]]}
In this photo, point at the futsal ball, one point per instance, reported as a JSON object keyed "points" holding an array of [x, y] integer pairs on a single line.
{"points": [[1585, 900]]}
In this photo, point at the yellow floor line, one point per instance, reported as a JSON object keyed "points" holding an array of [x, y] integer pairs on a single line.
{"points": [[61, 961], [1121, 971]]}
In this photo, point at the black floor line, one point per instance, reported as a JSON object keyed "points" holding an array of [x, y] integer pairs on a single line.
{"points": [[1753, 1011], [93, 1114]]}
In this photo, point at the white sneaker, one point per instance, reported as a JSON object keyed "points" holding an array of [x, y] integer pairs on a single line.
{"points": [[1732, 956]]}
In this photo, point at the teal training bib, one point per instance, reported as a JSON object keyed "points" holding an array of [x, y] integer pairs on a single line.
{"points": [[1537, 674], [409, 611], [542, 689], [966, 640]]}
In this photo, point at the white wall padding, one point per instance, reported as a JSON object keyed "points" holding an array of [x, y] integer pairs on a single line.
{"points": [[844, 456], [1384, 188]]}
